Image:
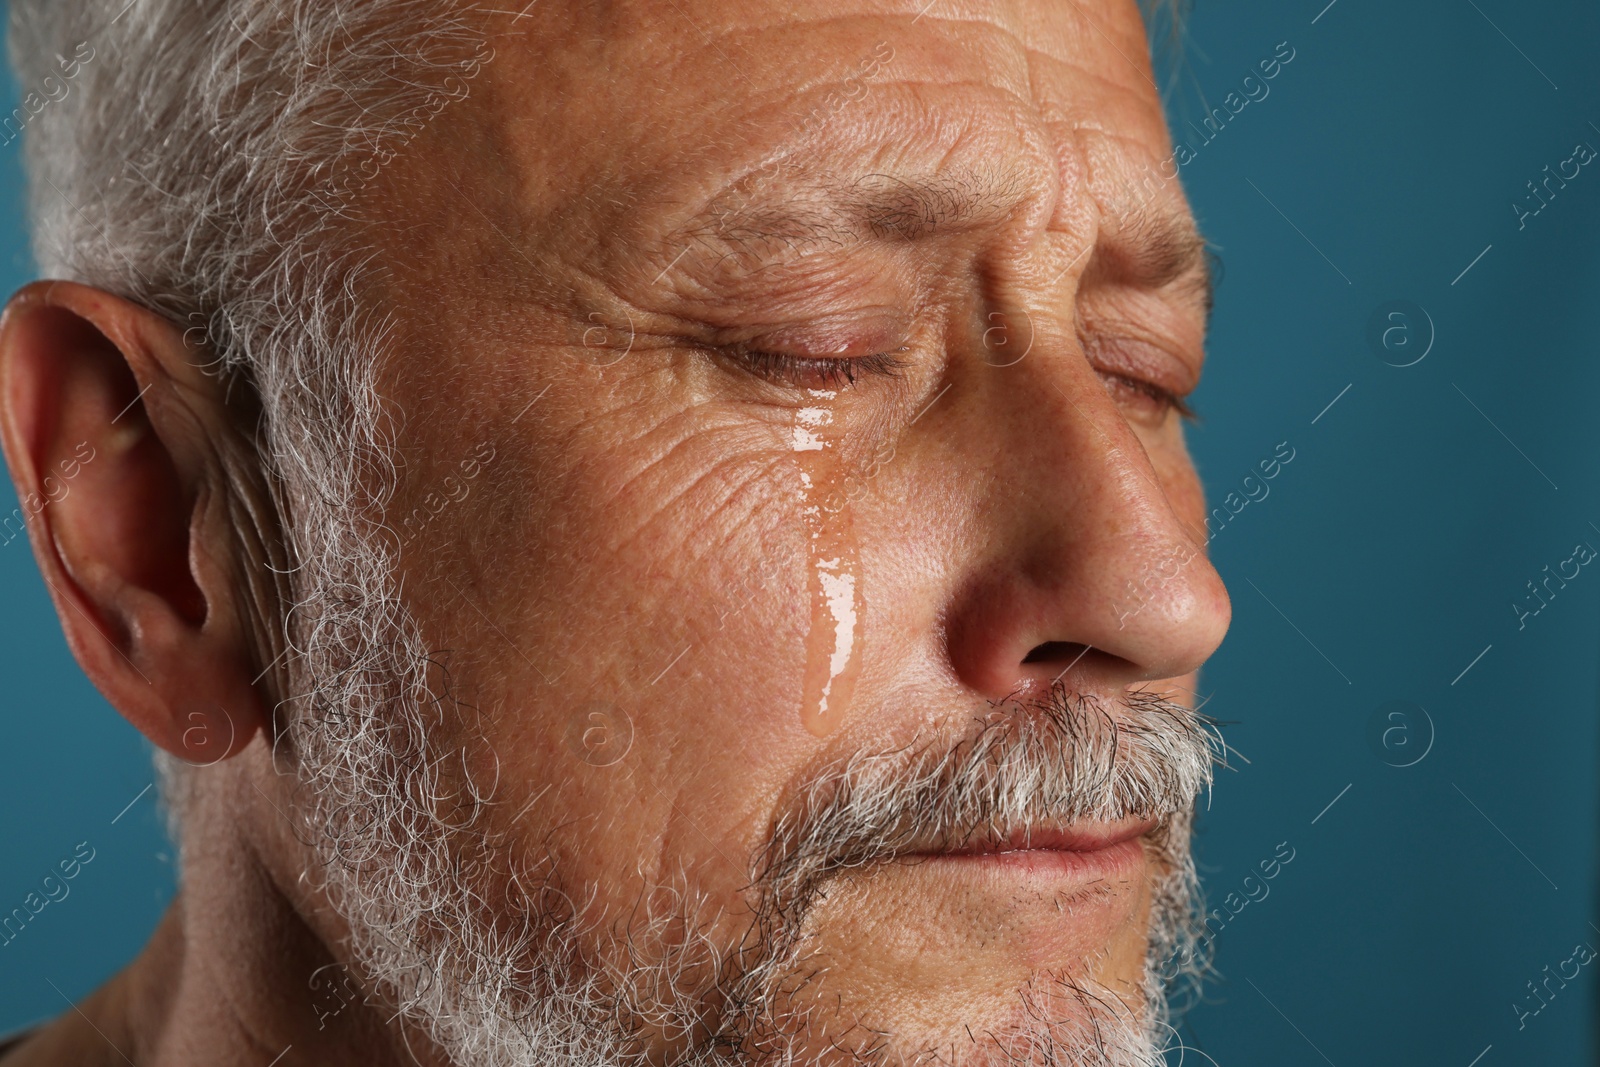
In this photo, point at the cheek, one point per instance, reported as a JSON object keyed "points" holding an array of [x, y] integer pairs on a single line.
{"points": [[670, 524], [612, 540], [639, 563]]}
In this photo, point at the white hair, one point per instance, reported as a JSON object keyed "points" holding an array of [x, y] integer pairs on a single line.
{"points": [[207, 161]]}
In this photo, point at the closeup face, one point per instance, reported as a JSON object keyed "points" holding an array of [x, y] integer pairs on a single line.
{"points": [[793, 491]]}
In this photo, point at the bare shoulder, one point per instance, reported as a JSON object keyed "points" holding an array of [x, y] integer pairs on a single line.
{"points": [[67, 1039], [88, 1033]]}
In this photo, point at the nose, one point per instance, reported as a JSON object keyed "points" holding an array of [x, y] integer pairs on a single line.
{"points": [[1094, 558]]}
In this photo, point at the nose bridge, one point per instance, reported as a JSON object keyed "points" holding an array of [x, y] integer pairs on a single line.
{"points": [[1096, 490], [1088, 563]]}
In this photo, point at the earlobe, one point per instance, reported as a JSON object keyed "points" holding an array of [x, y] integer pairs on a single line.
{"points": [[109, 423]]}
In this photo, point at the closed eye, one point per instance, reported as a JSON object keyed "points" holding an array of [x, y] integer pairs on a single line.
{"points": [[816, 373], [1150, 399]]}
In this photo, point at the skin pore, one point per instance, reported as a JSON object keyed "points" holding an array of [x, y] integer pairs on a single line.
{"points": [[773, 385]]}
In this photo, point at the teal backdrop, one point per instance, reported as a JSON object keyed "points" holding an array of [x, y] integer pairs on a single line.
{"points": [[1410, 680]]}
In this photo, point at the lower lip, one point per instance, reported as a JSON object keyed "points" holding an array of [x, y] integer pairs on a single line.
{"points": [[1115, 862]]}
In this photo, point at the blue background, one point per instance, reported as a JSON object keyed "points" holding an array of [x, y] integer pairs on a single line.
{"points": [[1381, 567]]}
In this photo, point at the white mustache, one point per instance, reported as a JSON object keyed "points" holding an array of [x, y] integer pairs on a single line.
{"points": [[1053, 760]]}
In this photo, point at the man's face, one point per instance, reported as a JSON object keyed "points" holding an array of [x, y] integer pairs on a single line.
{"points": [[788, 390]]}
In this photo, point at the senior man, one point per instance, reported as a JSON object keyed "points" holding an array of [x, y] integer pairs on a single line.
{"points": [[621, 520]]}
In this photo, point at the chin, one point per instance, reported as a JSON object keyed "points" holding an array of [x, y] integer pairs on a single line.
{"points": [[1032, 957], [1052, 1019]]}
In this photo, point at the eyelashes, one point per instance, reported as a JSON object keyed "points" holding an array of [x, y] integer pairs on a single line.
{"points": [[807, 372], [1152, 398], [813, 373]]}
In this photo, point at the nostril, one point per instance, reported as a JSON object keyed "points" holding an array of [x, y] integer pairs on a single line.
{"points": [[1055, 652]]}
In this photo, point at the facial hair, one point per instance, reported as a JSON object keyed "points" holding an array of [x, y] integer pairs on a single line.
{"points": [[407, 860]]}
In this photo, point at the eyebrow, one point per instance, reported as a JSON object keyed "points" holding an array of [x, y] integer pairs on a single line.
{"points": [[1154, 249], [879, 205], [1160, 249]]}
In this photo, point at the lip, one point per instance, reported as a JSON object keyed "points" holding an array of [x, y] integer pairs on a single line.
{"points": [[1080, 837], [1084, 852]]}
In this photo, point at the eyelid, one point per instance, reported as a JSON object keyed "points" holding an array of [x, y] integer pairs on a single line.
{"points": [[1139, 358], [1170, 400], [806, 372], [830, 351], [827, 337], [1142, 365]]}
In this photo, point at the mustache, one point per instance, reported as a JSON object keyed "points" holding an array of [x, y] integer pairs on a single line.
{"points": [[1048, 760]]}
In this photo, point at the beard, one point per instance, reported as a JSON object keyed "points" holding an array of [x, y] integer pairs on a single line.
{"points": [[484, 950]]}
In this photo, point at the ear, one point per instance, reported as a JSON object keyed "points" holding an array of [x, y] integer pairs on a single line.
{"points": [[118, 442]]}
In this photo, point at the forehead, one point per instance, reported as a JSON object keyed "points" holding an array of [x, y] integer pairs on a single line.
{"points": [[642, 118]]}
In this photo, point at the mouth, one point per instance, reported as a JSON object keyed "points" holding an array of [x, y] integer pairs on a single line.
{"points": [[1085, 853]]}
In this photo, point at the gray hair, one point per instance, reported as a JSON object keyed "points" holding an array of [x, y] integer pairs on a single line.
{"points": [[207, 159]]}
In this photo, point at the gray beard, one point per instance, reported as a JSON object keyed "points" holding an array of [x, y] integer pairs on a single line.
{"points": [[408, 865]]}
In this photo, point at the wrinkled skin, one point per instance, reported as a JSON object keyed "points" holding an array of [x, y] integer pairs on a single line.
{"points": [[586, 255], [613, 276]]}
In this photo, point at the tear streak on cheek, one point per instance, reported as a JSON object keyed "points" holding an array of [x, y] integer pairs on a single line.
{"points": [[833, 574]]}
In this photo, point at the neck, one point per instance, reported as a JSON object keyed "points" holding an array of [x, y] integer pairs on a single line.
{"points": [[240, 969]]}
